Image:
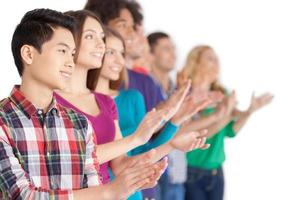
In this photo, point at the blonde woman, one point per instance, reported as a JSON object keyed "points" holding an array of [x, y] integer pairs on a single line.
{"points": [[205, 177]]}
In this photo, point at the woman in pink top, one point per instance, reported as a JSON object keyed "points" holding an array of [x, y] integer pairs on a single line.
{"points": [[99, 110]]}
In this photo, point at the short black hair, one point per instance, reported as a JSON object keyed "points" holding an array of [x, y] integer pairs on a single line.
{"points": [[108, 10], [154, 37], [36, 28]]}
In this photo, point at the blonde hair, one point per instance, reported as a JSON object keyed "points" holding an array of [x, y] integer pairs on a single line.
{"points": [[192, 64]]}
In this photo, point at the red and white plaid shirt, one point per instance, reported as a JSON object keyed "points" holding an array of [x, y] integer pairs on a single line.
{"points": [[44, 156]]}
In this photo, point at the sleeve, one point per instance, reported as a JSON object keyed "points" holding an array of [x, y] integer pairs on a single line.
{"points": [[15, 182], [138, 111], [152, 93], [164, 136], [91, 167], [140, 107], [113, 108], [229, 130], [109, 104]]}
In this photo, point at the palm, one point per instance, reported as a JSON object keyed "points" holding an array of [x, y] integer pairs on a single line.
{"points": [[190, 141], [259, 102], [175, 101], [189, 107]]}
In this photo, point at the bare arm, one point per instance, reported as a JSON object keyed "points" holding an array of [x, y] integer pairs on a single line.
{"points": [[108, 151], [118, 147]]}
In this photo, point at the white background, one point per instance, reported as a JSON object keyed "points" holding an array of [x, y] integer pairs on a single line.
{"points": [[258, 43]]}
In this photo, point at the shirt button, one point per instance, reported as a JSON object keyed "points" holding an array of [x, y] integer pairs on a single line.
{"points": [[53, 111], [48, 154], [40, 112]]}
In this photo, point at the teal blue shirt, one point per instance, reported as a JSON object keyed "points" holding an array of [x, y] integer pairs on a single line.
{"points": [[131, 109]]}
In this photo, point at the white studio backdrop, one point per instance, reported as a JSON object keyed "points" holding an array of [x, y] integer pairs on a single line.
{"points": [[258, 44]]}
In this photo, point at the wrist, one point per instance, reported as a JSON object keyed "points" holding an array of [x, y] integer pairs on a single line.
{"points": [[176, 122], [111, 191], [136, 140], [170, 146]]}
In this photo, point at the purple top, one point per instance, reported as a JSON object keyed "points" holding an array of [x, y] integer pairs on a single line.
{"points": [[147, 87], [103, 123]]}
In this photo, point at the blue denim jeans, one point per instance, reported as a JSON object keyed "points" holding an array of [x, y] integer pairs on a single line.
{"points": [[204, 184], [170, 191]]}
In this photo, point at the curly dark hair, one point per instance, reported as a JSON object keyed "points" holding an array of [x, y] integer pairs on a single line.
{"points": [[108, 10]]}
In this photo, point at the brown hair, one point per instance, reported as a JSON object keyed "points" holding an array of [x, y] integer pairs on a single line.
{"points": [[192, 62], [80, 17], [93, 75]]}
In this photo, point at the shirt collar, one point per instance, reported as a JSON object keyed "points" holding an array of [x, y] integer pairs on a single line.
{"points": [[18, 98]]}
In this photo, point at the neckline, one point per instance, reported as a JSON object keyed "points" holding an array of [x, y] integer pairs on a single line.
{"points": [[79, 110]]}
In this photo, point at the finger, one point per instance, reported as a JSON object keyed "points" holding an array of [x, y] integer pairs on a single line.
{"points": [[202, 142], [142, 175], [203, 133], [138, 185], [194, 144], [143, 158], [206, 146]]}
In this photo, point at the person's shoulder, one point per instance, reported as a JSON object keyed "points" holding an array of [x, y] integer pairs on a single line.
{"points": [[103, 97], [138, 75], [6, 106], [131, 93]]}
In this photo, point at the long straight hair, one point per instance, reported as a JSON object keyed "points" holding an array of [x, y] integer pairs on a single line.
{"points": [[80, 17], [94, 74]]}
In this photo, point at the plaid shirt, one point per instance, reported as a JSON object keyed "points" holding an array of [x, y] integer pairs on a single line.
{"points": [[44, 156]]}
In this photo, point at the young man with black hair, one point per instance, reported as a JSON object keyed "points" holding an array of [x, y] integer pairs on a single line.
{"points": [[46, 150]]}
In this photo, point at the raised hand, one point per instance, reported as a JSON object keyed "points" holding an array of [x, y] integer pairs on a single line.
{"points": [[259, 102], [181, 79], [173, 103], [150, 123], [190, 141], [191, 105]]}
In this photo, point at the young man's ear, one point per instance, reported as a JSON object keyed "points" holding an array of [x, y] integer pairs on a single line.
{"points": [[27, 54]]}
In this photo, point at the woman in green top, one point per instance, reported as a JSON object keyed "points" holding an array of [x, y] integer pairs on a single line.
{"points": [[205, 177]]}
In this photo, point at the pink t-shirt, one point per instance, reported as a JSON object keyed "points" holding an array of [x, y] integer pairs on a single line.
{"points": [[103, 123]]}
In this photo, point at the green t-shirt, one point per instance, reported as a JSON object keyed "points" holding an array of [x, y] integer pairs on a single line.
{"points": [[213, 157]]}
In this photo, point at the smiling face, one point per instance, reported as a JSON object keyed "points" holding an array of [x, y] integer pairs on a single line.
{"points": [[54, 65], [124, 25], [114, 60], [92, 46]]}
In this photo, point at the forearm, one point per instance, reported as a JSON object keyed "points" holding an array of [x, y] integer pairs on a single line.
{"points": [[200, 123], [108, 151], [104, 192], [118, 164], [162, 151], [240, 120], [216, 127], [164, 136]]}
